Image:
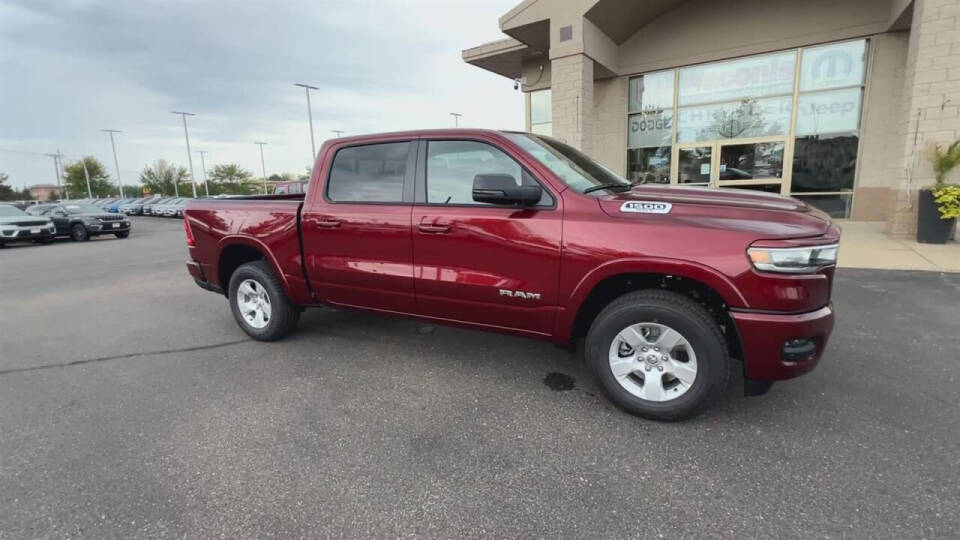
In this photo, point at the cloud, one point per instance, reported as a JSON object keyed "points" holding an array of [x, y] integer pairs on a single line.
{"points": [[71, 68]]}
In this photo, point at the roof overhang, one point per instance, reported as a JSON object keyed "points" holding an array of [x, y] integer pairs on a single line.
{"points": [[504, 57]]}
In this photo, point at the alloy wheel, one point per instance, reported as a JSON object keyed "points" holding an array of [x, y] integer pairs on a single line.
{"points": [[254, 303], [653, 361]]}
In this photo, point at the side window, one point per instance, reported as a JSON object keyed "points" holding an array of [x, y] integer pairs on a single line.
{"points": [[370, 173], [452, 165]]}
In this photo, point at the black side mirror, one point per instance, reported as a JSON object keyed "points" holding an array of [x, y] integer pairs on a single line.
{"points": [[503, 189]]}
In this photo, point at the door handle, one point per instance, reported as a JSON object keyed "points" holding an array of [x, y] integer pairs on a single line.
{"points": [[434, 228], [328, 223]]}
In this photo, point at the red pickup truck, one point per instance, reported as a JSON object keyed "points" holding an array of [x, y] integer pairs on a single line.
{"points": [[525, 235]]}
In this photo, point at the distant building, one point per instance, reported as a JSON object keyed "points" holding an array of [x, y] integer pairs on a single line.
{"points": [[42, 192]]}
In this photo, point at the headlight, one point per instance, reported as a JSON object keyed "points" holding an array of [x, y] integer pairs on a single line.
{"points": [[800, 260]]}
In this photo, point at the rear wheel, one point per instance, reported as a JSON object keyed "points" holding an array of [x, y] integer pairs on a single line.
{"points": [[79, 233], [259, 304], [658, 354]]}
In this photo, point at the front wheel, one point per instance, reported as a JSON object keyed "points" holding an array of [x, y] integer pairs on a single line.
{"points": [[79, 233], [259, 304], [658, 354]]}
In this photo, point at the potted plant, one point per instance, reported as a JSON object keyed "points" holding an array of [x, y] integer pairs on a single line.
{"points": [[939, 205]]}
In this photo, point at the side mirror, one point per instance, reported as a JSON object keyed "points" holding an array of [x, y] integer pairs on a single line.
{"points": [[503, 189]]}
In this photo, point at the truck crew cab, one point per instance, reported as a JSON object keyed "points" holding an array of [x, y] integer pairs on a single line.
{"points": [[522, 234]]}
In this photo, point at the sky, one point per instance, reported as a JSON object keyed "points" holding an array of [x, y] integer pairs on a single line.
{"points": [[69, 68]]}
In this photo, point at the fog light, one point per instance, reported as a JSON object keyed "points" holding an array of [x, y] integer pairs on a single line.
{"points": [[798, 350]]}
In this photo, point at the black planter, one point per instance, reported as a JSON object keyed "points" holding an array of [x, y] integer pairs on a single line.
{"points": [[931, 228]]}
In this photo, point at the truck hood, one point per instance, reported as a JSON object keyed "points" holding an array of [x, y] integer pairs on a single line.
{"points": [[771, 215]]}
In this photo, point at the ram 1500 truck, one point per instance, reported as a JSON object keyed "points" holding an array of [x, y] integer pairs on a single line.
{"points": [[525, 235]]}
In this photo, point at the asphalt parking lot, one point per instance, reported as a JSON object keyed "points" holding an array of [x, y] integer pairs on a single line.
{"points": [[131, 405]]}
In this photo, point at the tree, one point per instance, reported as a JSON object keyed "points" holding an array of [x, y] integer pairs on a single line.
{"points": [[76, 180], [6, 192], [24, 194], [230, 179], [230, 172], [161, 177]]}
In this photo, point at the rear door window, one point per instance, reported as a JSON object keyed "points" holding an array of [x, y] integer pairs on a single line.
{"points": [[372, 173]]}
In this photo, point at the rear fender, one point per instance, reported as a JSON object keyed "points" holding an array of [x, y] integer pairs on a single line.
{"points": [[295, 286]]}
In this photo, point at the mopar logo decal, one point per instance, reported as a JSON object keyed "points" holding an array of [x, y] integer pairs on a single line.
{"points": [[646, 207]]}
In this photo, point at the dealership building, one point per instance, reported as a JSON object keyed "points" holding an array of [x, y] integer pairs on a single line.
{"points": [[835, 102]]}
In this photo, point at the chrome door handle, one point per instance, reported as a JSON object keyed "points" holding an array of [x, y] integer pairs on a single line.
{"points": [[328, 223], [434, 228]]}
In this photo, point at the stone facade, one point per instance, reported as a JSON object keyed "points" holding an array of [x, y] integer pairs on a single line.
{"points": [[572, 93], [931, 101]]}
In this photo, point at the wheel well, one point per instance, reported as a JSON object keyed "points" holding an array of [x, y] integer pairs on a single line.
{"points": [[231, 258], [614, 287]]}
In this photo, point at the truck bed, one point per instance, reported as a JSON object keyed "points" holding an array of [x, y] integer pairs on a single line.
{"points": [[230, 231]]}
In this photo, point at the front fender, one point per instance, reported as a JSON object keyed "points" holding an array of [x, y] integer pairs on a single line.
{"points": [[706, 275]]}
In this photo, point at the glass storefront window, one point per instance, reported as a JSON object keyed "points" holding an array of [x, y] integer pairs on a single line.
{"points": [[832, 111], [694, 164], [741, 78], [541, 112], [650, 129], [719, 110], [834, 65], [824, 163], [649, 165], [749, 161], [651, 92], [837, 204], [737, 119]]}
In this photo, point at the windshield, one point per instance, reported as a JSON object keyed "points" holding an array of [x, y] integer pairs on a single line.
{"points": [[82, 209], [576, 169], [7, 210]]}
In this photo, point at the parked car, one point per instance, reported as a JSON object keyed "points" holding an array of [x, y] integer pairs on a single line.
{"points": [[18, 226], [148, 206], [81, 221], [114, 207], [176, 208], [161, 208], [525, 235], [135, 207]]}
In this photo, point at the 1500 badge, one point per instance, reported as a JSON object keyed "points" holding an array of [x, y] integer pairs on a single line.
{"points": [[646, 207]]}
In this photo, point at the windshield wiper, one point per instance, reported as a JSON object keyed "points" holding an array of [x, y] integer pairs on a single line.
{"points": [[611, 186]]}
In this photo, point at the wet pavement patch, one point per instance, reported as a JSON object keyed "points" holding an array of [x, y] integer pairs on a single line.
{"points": [[558, 382]]}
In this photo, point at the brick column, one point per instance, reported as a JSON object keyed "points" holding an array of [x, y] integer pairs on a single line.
{"points": [[931, 102], [572, 94]]}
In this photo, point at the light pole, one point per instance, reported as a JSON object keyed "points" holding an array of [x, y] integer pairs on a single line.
{"points": [[456, 119], [56, 172], [313, 146], [186, 135], [262, 166], [203, 168], [115, 162], [339, 132]]}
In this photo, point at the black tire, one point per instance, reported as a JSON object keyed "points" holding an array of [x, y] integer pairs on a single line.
{"points": [[675, 311], [123, 234], [284, 314], [78, 233]]}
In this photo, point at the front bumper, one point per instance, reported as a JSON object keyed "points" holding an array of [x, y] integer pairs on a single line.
{"points": [[26, 233], [107, 227], [763, 336]]}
